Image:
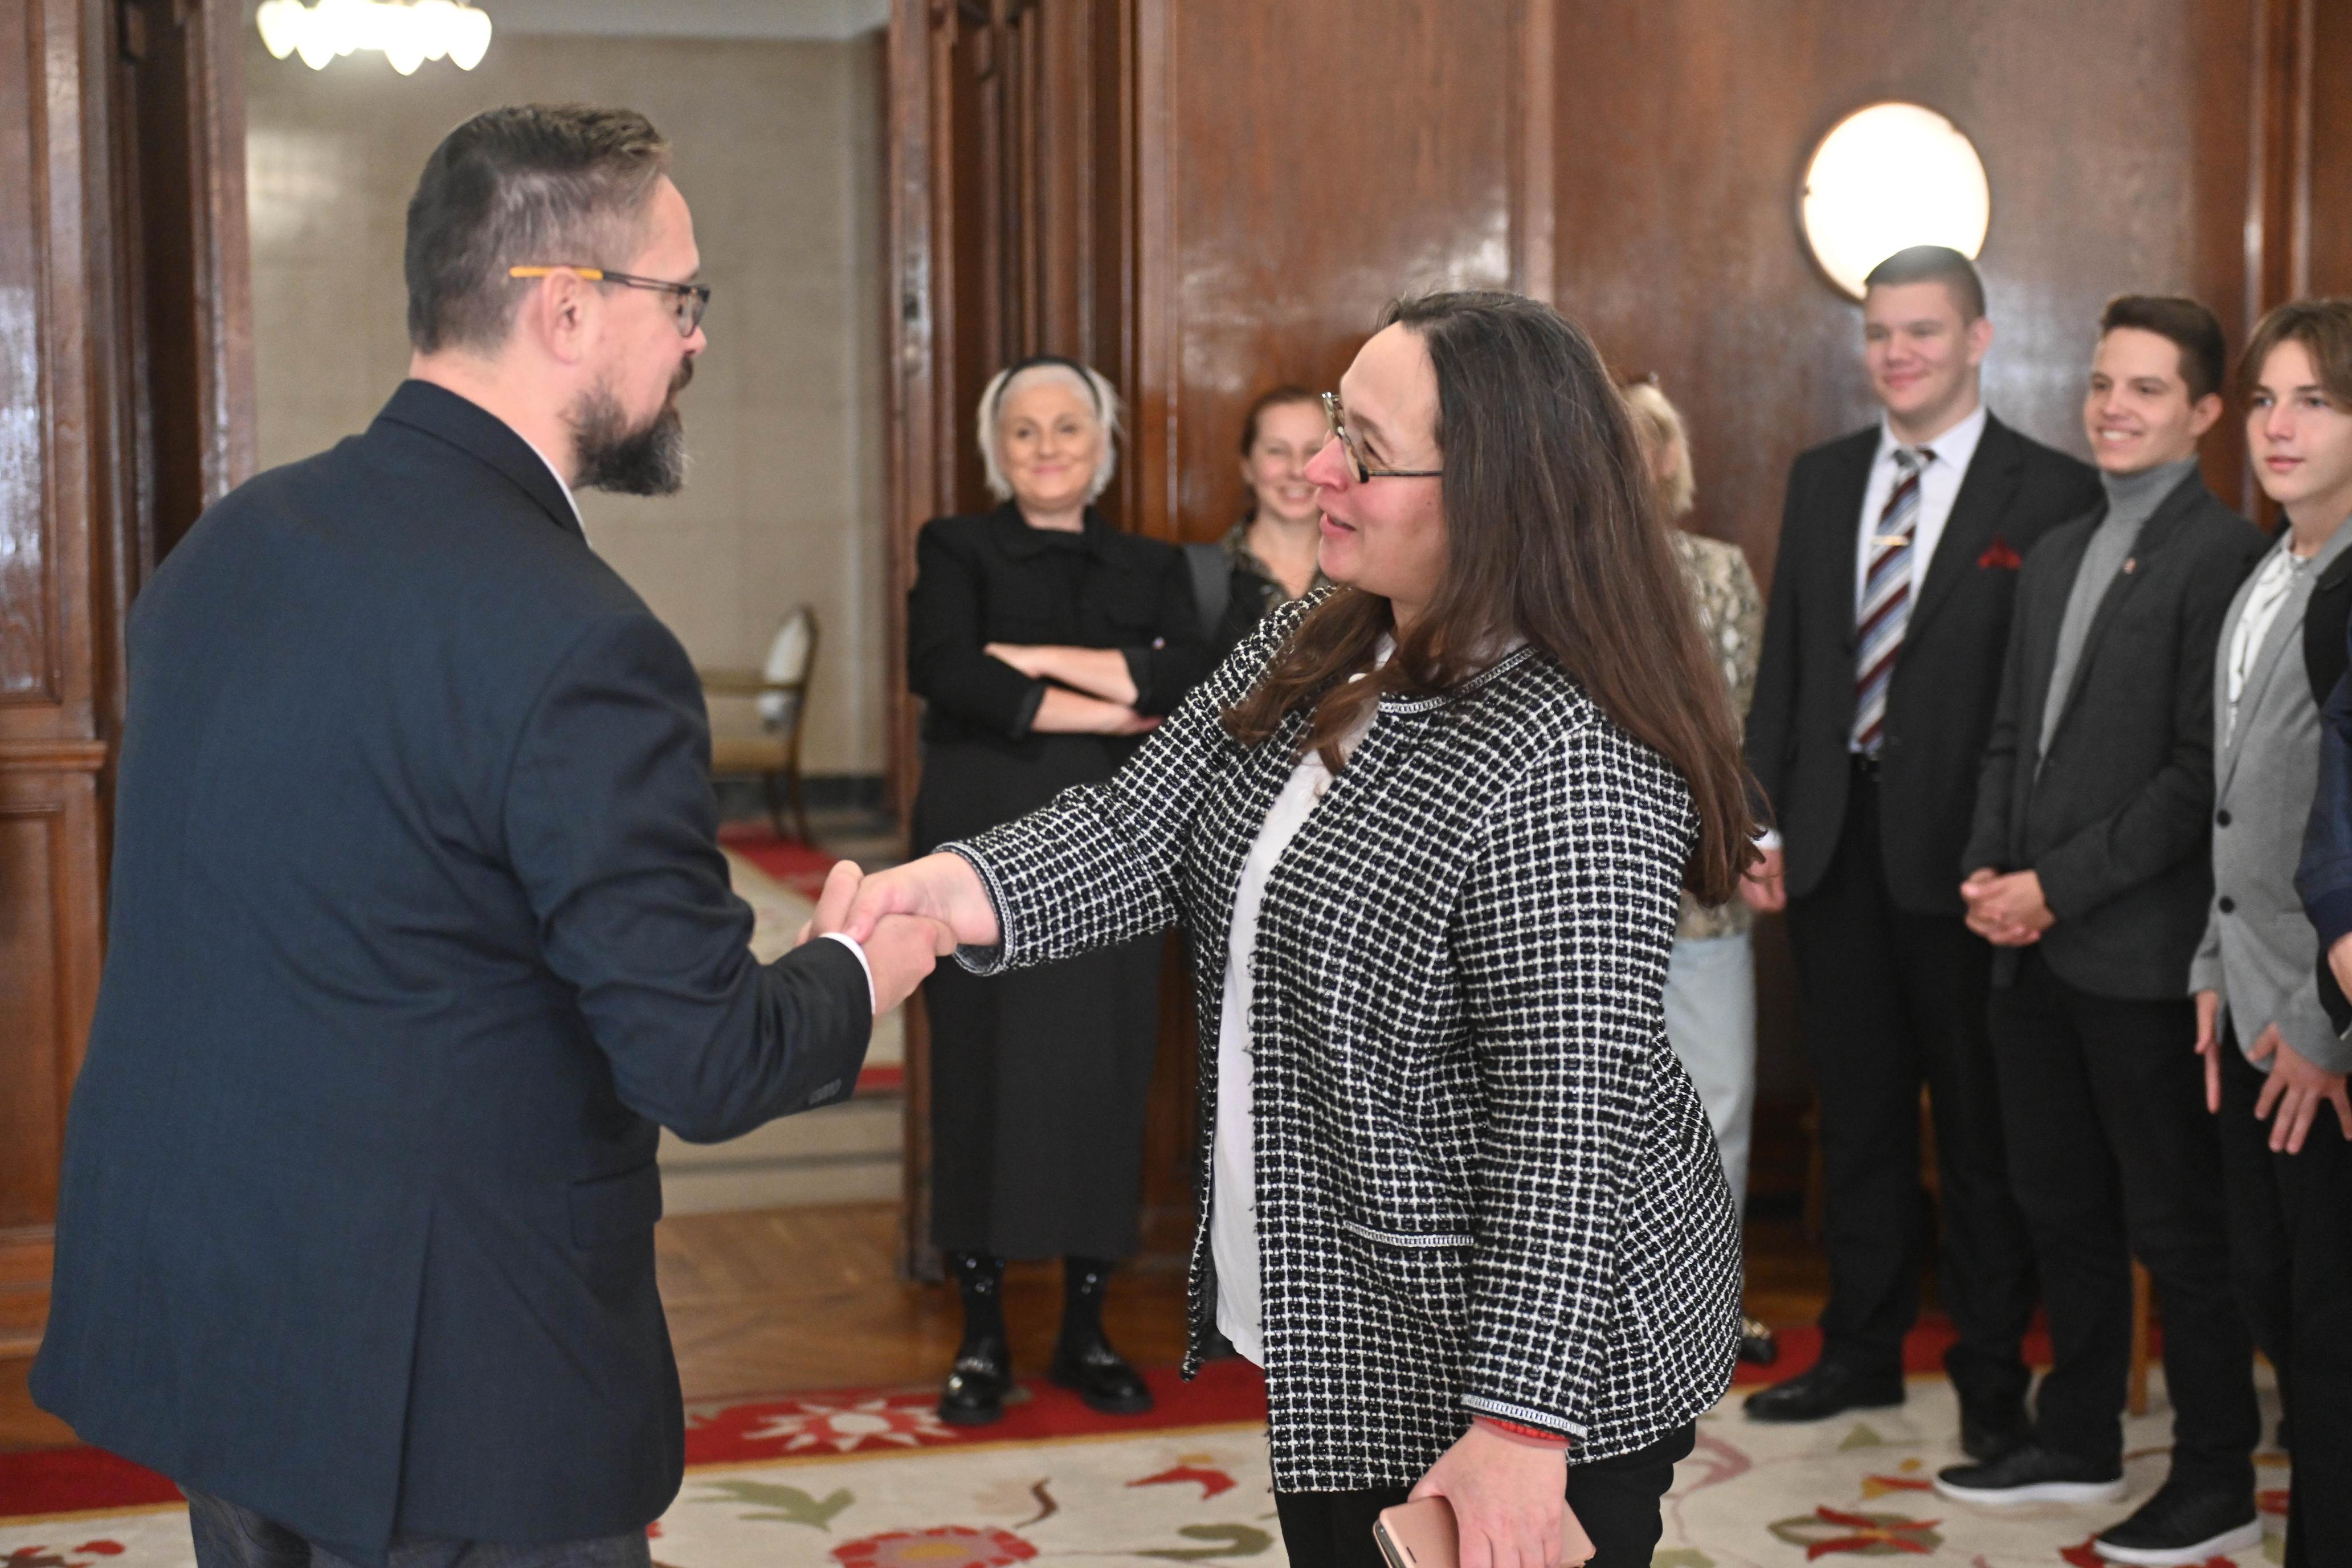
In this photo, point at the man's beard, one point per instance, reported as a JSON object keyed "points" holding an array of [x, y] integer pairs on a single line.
{"points": [[647, 461]]}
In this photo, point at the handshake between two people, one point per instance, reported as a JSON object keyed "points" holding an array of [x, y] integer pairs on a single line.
{"points": [[906, 919]]}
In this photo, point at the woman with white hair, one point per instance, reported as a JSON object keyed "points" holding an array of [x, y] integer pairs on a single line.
{"points": [[1711, 976], [1044, 642]]}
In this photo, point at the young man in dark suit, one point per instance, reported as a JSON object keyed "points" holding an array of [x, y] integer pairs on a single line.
{"points": [[2089, 872], [1890, 605], [420, 933]]}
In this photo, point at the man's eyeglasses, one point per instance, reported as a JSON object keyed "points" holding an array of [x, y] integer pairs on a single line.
{"points": [[1365, 472], [689, 300]]}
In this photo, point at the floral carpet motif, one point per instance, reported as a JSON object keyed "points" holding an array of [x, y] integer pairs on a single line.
{"points": [[868, 1478], [1863, 1486]]}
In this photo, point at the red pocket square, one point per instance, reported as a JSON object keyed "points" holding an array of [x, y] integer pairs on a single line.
{"points": [[1999, 557]]}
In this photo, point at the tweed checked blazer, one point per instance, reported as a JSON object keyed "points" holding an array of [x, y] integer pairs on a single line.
{"points": [[1483, 1182]]}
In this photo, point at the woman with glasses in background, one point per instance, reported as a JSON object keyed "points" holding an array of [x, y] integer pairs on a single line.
{"points": [[1427, 833], [1043, 642]]}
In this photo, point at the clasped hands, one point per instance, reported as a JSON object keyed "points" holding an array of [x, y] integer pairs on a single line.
{"points": [[906, 919], [2007, 910]]}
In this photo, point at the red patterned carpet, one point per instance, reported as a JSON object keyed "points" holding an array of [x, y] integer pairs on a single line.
{"points": [[869, 1479], [730, 1432], [742, 1431]]}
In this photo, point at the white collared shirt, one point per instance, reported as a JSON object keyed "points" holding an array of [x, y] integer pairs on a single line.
{"points": [[560, 483], [2272, 582], [1939, 486]]}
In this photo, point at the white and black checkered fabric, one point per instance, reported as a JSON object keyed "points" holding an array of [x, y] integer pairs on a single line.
{"points": [[1483, 1182]]}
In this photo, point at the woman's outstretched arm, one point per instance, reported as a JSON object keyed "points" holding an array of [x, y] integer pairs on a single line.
{"points": [[1097, 865]]}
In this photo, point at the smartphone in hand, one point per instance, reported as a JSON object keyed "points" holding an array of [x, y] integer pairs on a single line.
{"points": [[1424, 1535]]}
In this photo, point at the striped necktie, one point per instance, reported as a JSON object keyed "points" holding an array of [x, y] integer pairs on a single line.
{"points": [[1885, 600]]}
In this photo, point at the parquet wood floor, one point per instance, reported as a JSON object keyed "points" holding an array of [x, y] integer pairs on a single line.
{"points": [[779, 1300]]}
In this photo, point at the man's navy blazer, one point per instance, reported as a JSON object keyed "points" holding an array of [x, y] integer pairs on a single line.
{"points": [[418, 933], [1939, 704]]}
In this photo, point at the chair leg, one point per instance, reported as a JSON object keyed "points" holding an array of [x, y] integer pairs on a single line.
{"points": [[800, 807], [775, 804]]}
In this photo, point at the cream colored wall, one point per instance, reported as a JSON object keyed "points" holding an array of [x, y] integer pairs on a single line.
{"points": [[779, 153]]}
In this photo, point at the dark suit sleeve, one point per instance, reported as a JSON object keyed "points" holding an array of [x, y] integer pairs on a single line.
{"points": [[611, 830], [2165, 820], [1989, 836], [2323, 877], [945, 662], [1179, 657], [1772, 715]]}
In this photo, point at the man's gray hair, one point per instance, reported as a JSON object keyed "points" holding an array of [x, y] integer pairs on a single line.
{"points": [[529, 184], [1102, 401]]}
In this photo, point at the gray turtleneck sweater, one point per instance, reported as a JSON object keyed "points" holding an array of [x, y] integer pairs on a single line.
{"points": [[2132, 500]]}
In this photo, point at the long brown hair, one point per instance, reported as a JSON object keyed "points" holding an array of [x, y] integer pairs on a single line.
{"points": [[1551, 536]]}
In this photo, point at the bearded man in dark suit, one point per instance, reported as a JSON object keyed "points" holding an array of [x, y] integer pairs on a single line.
{"points": [[419, 933], [1882, 647]]}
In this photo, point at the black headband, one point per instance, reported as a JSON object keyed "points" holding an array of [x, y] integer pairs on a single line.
{"points": [[996, 405]]}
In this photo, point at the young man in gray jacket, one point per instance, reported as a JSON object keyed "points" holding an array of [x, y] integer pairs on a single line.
{"points": [[2274, 1068]]}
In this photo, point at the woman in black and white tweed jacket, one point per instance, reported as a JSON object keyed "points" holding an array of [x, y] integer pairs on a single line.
{"points": [[1456, 799]]}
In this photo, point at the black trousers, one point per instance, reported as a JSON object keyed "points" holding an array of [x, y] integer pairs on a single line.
{"points": [[2112, 1157], [1892, 1001], [2291, 1251], [1616, 1501]]}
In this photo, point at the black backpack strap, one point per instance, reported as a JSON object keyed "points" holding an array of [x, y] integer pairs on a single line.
{"points": [[1213, 584]]}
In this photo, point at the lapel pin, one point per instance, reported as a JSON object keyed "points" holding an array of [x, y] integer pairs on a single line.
{"points": [[2131, 565]]}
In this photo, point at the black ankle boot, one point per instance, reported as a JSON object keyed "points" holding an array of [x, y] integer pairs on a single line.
{"points": [[1083, 1359], [976, 1385]]}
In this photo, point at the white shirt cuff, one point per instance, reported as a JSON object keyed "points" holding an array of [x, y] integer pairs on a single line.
{"points": [[1767, 840], [873, 1003]]}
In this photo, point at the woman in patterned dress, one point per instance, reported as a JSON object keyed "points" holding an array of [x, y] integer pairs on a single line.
{"points": [[1426, 832], [1711, 979]]}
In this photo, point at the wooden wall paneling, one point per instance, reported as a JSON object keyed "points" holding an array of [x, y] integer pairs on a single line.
{"points": [[1678, 243], [2299, 220], [49, 752], [1535, 152], [48, 972], [1301, 165], [2327, 227], [2278, 184], [125, 407]]}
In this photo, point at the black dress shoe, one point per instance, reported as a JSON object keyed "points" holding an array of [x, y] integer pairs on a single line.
{"points": [[1823, 1392], [2032, 1474], [1757, 1343], [977, 1383], [1100, 1376], [2184, 1524], [1986, 1436]]}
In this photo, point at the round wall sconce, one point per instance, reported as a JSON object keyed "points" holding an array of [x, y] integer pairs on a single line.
{"points": [[1888, 176]]}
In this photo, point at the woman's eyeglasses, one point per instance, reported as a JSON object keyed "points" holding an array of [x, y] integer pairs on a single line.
{"points": [[689, 300], [1365, 472]]}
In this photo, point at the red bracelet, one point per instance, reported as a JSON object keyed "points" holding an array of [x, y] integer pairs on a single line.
{"points": [[1514, 1432]]}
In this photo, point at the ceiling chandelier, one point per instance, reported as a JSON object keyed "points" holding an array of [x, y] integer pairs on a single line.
{"points": [[407, 32]]}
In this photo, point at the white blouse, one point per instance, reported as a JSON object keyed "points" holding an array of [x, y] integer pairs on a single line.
{"points": [[1232, 1170]]}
